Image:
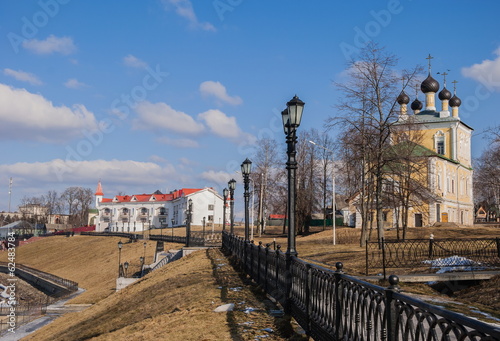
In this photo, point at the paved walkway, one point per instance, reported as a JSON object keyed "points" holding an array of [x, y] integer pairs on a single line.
{"points": [[53, 311]]}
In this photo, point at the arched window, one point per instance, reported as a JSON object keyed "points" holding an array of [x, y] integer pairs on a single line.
{"points": [[439, 142]]}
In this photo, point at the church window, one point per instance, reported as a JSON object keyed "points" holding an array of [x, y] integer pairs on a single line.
{"points": [[440, 146], [439, 142]]}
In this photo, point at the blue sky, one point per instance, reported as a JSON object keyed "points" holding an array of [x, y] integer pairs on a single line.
{"points": [[164, 94]]}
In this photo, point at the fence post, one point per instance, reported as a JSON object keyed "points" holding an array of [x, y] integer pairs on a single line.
{"points": [[338, 301], [307, 297], [266, 265], [276, 275], [431, 243], [498, 246], [391, 314], [258, 262], [366, 256]]}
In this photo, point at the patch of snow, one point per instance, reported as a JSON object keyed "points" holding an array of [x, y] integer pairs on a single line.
{"points": [[248, 310], [224, 308], [454, 263]]}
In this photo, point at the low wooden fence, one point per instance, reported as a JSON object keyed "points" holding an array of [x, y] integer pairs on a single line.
{"points": [[330, 305]]}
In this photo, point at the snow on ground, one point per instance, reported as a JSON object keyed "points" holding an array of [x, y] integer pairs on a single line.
{"points": [[454, 263]]}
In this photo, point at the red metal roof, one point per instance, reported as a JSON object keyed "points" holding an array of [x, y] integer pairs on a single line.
{"points": [[152, 197]]}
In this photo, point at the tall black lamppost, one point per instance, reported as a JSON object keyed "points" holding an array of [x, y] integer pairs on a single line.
{"points": [[291, 120], [225, 192], [144, 244], [232, 187], [120, 245], [246, 168], [188, 225]]}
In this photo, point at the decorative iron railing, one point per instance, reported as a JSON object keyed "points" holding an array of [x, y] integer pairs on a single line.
{"points": [[411, 253], [196, 239], [330, 305], [21, 313]]}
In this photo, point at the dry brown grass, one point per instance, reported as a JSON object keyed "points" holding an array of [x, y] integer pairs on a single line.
{"points": [[90, 261], [175, 302]]}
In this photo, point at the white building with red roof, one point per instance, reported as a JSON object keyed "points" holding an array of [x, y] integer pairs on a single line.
{"points": [[141, 212]]}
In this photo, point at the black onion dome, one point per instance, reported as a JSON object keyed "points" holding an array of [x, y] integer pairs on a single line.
{"points": [[403, 98], [416, 105], [455, 101], [429, 85], [444, 94]]}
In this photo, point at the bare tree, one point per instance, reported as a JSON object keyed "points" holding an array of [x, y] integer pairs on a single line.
{"points": [[266, 163], [77, 201], [368, 106]]}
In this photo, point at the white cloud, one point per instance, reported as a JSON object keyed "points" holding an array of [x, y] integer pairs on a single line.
{"points": [[487, 72], [28, 116], [73, 83], [220, 178], [159, 116], [59, 174], [216, 89], [224, 126], [53, 44], [178, 142], [133, 61], [23, 76], [184, 9]]}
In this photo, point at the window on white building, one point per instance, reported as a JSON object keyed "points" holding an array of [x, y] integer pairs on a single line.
{"points": [[210, 207]]}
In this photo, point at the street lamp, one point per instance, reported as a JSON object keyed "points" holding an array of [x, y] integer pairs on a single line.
{"points": [[120, 245], [232, 187], [225, 192], [246, 168], [333, 191], [144, 244], [125, 265], [291, 116]]}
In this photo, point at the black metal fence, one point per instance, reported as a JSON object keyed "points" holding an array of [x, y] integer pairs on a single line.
{"points": [[196, 238], [330, 305], [411, 253], [22, 270], [22, 312]]}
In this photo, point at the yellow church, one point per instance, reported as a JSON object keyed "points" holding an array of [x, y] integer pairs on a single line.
{"points": [[449, 167], [445, 142]]}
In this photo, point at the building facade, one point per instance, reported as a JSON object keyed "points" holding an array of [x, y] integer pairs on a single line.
{"points": [[142, 212], [445, 147]]}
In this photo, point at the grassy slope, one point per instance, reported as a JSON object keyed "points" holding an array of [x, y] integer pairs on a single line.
{"points": [[156, 307], [90, 261]]}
